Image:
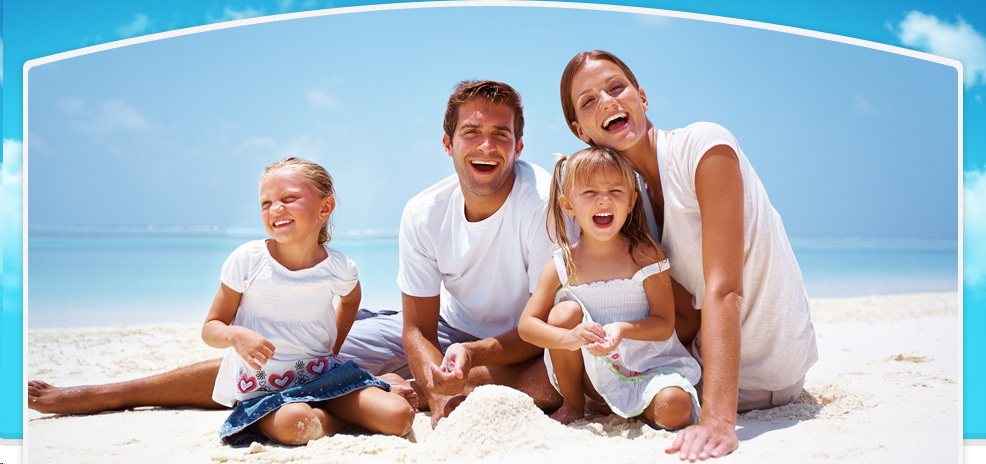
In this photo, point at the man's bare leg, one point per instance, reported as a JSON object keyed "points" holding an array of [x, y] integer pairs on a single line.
{"points": [[530, 377], [189, 386]]}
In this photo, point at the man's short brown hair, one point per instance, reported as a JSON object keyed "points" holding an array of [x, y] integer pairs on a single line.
{"points": [[492, 91]]}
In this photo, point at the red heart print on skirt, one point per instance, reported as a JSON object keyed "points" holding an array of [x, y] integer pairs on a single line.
{"points": [[317, 367], [281, 381], [246, 384]]}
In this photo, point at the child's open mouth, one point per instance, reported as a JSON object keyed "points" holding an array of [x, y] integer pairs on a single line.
{"points": [[603, 219]]}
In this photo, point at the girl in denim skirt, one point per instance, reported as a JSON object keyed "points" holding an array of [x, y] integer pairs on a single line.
{"points": [[274, 312]]}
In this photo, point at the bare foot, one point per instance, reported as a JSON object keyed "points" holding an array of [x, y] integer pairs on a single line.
{"points": [[568, 413], [401, 386], [47, 398], [452, 403], [438, 412], [599, 408]]}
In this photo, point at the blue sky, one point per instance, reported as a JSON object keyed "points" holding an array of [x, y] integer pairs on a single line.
{"points": [[849, 141], [818, 119]]}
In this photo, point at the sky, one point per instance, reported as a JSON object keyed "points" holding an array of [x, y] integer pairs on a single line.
{"points": [[817, 118], [850, 142]]}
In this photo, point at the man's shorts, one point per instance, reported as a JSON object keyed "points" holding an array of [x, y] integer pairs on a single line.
{"points": [[375, 344]]}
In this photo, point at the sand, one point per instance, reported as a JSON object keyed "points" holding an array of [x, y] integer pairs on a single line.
{"points": [[887, 389]]}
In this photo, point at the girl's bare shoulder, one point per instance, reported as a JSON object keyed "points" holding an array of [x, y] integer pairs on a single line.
{"points": [[649, 253]]}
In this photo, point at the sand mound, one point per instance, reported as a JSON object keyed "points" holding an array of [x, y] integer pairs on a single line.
{"points": [[493, 421]]}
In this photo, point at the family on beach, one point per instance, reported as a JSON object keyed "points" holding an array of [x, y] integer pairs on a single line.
{"points": [[584, 288]]}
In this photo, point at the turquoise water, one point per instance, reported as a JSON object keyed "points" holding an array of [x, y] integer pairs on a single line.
{"points": [[90, 278]]}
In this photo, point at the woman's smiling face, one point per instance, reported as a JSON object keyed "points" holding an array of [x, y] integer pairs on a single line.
{"points": [[608, 107]]}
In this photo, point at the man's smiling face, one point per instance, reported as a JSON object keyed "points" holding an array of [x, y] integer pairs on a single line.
{"points": [[483, 148]]}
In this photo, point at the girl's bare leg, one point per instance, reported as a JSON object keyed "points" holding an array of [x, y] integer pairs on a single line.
{"points": [[671, 409], [299, 423], [375, 410], [403, 387], [567, 365]]}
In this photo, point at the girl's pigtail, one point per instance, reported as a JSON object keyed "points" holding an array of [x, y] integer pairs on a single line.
{"points": [[557, 223]]}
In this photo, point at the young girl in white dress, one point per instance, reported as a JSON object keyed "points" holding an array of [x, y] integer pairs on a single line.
{"points": [[274, 313], [603, 307]]}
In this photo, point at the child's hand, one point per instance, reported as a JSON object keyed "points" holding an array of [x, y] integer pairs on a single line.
{"points": [[613, 337], [252, 347], [585, 333]]}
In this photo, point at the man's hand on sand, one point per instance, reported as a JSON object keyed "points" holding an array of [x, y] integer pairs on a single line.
{"points": [[450, 378]]}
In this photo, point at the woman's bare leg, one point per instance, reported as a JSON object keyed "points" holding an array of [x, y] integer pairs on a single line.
{"points": [[687, 319]]}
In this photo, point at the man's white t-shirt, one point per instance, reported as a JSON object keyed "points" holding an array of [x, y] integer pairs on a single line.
{"points": [[485, 271]]}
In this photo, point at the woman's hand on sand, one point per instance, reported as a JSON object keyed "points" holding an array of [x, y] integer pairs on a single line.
{"points": [[450, 378], [613, 337], [251, 346], [711, 439]]}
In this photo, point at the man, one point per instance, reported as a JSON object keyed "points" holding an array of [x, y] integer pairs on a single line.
{"points": [[481, 236], [471, 247]]}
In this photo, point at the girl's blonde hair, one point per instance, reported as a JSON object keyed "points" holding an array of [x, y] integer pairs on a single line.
{"points": [[578, 169], [318, 179]]}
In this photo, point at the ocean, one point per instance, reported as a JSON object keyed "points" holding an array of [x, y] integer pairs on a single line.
{"points": [[95, 277]]}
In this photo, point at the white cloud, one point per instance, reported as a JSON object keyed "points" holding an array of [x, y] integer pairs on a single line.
{"points": [[71, 105], [285, 5], [259, 143], [653, 20], [12, 153], [320, 99], [974, 228], [230, 14], [139, 26], [861, 105], [289, 6], [10, 190], [113, 116], [304, 146], [958, 41]]}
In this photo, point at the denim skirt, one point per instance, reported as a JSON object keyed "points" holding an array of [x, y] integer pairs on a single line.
{"points": [[240, 427]]}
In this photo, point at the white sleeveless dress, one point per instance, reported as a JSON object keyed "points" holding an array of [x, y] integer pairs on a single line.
{"points": [[629, 376]]}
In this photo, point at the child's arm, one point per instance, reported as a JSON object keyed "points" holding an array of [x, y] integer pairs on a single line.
{"points": [[534, 328], [346, 310], [218, 333], [658, 326]]}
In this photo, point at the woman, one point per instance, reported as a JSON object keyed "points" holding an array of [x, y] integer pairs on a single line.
{"points": [[730, 256]]}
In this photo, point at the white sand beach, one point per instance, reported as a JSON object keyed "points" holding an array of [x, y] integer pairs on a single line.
{"points": [[887, 389]]}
